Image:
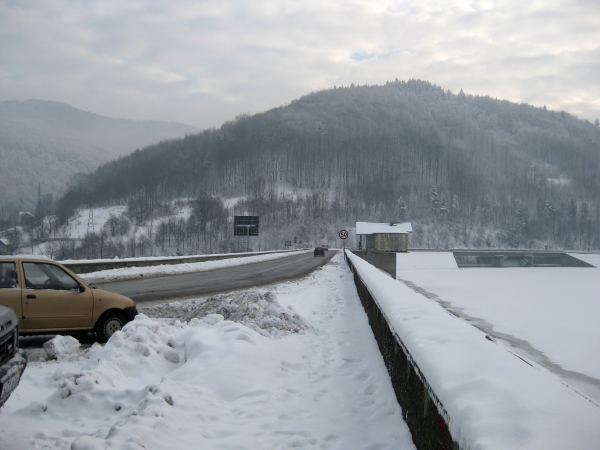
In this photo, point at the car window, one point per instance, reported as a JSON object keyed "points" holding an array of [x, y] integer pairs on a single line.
{"points": [[48, 276], [8, 275]]}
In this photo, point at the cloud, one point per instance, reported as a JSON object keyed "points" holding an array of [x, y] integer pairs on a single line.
{"points": [[204, 62]]}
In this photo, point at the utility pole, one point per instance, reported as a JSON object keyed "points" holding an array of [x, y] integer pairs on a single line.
{"points": [[91, 218], [38, 211]]}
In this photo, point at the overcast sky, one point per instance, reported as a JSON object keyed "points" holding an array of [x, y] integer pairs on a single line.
{"points": [[204, 62]]}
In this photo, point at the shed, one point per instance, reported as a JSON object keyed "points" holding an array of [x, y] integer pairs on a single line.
{"points": [[383, 237]]}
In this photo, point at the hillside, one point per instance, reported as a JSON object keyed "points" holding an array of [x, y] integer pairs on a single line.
{"points": [[468, 171], [47, 142]]}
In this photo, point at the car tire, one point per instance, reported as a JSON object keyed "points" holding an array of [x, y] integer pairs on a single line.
{"points": [[109, 324]]}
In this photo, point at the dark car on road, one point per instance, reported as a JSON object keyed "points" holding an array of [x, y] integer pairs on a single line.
{"points": [[319, 251], [12, 360]]}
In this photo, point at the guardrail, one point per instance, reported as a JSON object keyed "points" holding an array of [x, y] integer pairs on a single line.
{"points": [[421, 409], [97, 265]]}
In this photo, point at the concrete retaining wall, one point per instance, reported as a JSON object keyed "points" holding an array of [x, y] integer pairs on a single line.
{"points": [[421, 409], [382, 260]]}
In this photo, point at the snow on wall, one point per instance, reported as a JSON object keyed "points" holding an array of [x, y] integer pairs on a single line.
{"points": [[494, 400]]}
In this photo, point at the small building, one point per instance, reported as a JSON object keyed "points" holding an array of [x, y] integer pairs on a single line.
{"points": [[383, 237]]}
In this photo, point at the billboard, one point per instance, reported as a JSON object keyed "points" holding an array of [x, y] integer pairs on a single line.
{"points": [[245, 225]]}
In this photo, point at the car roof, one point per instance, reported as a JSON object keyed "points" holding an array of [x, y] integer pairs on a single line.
{"points": [[24, 258]]}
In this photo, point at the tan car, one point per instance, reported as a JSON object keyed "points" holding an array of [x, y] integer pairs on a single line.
{"points": [[48, 297]]}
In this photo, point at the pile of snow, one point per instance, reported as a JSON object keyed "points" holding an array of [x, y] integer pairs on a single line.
{"points": [[212, 383], [257, 309], [61, 347]]}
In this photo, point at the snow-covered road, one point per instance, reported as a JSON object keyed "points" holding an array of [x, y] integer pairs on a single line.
{"points": [[299, 368]]}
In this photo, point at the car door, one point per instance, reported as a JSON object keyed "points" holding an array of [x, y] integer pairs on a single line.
{"points": [[52, 299], [10, 291]]}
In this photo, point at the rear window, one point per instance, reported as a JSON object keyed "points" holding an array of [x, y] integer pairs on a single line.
{"points": [[8, 275]]}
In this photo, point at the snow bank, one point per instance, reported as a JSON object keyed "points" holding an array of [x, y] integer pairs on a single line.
{"points": [[494, 399], [256, 309]]}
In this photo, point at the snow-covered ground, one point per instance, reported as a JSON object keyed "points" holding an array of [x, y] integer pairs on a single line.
{"points": [[494, 399], [296, 367], [549, 315], [81, 222]]}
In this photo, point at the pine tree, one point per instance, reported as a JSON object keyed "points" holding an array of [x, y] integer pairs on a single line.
{"points": [[572, 212], [550, 214], [455, 204], [402, 208]]}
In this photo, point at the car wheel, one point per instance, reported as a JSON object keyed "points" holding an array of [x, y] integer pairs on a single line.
{"points": [[108, 325]]}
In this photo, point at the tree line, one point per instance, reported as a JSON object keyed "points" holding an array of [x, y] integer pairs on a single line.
{"points": [[467, 170]]}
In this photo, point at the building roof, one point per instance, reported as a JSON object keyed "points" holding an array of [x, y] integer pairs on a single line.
{"points": [[379, 228]]}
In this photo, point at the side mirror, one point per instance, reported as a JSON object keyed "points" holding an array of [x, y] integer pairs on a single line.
{"points": [[81, 288]]}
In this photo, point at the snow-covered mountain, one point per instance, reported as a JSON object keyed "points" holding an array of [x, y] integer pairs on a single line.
{"points": [[45, 143], [467, 171]]}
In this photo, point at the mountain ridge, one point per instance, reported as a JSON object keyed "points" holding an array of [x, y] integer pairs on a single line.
{"points": [[468, 171], [50, 141]]}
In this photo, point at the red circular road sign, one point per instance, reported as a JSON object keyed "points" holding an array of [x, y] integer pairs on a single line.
{"points": [[343, 234]]}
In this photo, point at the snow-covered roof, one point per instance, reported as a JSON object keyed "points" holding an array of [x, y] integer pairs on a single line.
{"points": [[372, 228]]}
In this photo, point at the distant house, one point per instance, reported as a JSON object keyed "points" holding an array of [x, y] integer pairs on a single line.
{"points": [[4, 247], [26, 219], [383, 237]]}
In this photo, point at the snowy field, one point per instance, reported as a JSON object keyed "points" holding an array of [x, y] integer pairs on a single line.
{"points": [[294, 367], [494, 399], [549, 315]]}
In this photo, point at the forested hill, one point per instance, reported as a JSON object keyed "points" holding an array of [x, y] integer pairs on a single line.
{"points": [[467, 170], [44, 143]]}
